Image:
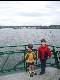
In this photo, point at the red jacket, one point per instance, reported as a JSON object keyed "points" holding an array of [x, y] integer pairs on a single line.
{"points": [[42, 51]]}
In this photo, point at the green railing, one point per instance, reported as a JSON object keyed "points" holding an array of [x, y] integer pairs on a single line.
{"points": [[12, 57]]}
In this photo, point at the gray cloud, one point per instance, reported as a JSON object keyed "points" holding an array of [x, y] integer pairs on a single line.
{"points": [[31, 13]]}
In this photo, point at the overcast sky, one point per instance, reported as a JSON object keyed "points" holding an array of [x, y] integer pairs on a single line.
{"points": [[29, 13]]}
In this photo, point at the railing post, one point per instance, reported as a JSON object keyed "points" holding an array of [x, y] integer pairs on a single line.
{"points": [[24, 56], [36, 57]]}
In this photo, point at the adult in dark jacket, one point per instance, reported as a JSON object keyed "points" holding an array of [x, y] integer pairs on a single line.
{"points": [[43, 53]]}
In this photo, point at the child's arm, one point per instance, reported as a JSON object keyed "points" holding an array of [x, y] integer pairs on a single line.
{"points": [[35, 56], [26, 56]]}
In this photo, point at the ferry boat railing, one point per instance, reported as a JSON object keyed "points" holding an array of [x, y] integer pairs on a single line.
{"points": [[11, 60]]}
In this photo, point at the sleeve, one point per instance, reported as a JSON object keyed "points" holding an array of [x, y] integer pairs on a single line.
{"points": [[35, 56], [49, 52]]}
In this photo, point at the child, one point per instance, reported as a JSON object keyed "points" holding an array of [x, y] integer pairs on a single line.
{"points": [[43, 53], [30, 58]]}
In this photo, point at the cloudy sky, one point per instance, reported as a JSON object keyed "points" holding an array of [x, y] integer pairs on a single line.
{"points": [[29, 13]]}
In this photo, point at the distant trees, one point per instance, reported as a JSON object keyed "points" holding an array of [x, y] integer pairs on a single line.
{"points": [[34, 27]]}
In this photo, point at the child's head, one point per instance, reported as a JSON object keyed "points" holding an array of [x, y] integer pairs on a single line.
{"points": [[43, 42], [30, 46]]}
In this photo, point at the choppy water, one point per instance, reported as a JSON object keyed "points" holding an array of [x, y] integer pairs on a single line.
{"points": [[9, 36]]}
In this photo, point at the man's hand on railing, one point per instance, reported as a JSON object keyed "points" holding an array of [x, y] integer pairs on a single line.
{"points": [[51, 55]]}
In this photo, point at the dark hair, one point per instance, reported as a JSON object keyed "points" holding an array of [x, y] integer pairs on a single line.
{"points": [[43, 40], [59, 78], [30, 46]]}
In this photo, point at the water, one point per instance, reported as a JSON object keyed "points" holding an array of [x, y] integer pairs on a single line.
{"points": [[9, 36]]}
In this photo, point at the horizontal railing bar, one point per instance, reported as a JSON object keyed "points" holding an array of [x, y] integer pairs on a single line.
{"points": [[26, 45]]}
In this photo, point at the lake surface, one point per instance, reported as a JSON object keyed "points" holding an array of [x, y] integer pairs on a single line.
{"points": [[9, 36]]}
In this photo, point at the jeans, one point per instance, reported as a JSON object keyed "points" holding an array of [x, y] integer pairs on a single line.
{"points": [[43, 65]]}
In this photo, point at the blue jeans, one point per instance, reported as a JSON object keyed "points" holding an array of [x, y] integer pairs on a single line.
{"points": [[43, 65]]}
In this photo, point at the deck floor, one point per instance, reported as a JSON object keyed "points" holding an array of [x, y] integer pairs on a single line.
{"points": [[50, 74]]}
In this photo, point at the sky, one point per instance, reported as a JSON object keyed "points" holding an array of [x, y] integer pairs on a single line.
{"points": [[33, 13]]}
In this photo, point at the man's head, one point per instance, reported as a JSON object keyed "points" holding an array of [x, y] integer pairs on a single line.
{"points": [[43, 42]]}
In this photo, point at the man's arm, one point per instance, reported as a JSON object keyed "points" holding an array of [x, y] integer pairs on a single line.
{"points": [[49, 52]]}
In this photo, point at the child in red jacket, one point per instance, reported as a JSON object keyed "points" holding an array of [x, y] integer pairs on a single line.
{"points": [[43, 53]]}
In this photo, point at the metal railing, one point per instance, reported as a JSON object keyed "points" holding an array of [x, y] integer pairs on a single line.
{"points": [[14, 59]]}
